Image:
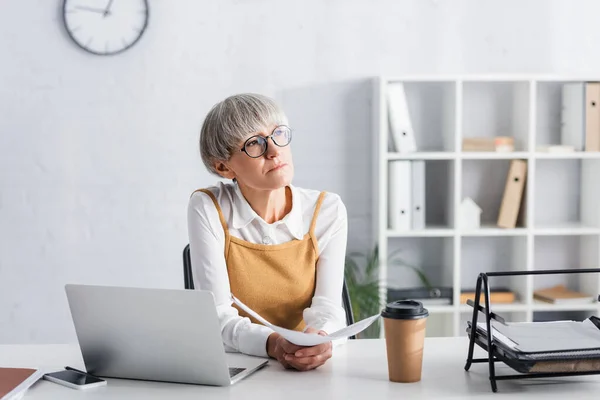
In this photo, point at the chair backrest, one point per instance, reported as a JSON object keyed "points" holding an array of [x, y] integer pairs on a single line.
{"points": [[188, 282]]}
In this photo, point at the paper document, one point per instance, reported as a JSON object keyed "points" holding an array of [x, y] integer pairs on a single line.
{"points": [[531, 337], [309, 339]]}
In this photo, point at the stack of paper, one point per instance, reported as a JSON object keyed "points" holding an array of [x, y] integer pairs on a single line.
{"points": [[309, 339], [546, 337]]}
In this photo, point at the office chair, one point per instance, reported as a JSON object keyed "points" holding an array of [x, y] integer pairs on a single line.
{"points": [[189, 284]]}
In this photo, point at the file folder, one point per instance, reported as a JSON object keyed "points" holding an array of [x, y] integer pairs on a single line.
{"points": [[572, 129], [399, 203], [592, 117], [418, 194], [401, 128], [513, 194]]}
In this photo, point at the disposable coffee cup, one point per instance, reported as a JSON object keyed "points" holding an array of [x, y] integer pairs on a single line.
{"points": [[404, 324]]}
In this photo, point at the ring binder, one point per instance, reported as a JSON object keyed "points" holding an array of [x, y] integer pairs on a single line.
{"points": [[561, 363]]}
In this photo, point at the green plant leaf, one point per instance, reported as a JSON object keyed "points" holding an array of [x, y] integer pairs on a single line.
{"points": [[362, 279]]}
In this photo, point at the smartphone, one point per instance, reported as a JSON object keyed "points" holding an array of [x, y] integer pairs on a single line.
{"points": [[74, 379]]}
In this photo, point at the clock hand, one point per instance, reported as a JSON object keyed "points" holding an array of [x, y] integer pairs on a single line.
{"points": [[107, 11], [85, 8]]}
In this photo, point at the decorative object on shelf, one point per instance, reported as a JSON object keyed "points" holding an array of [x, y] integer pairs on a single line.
{"points": [[559, 294], [401, 129], [504, 144], [497, 296], [362, 278], [580, 117], [513, 194], [500, 144], [107, 30], [470, 214]]}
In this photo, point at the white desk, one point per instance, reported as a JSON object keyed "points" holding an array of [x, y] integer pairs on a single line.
{"points": [[358, 370]]}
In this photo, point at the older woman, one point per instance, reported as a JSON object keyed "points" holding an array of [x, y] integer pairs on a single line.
{"points": [[278, 248]]}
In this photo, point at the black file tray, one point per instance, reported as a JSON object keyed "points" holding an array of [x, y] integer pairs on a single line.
{"points": [[541, 365]]}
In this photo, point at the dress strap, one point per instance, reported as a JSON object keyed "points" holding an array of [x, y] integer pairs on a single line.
{"points": [[221, 218], [313, 223]]}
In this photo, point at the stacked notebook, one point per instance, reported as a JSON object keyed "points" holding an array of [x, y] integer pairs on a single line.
{"points": [[15, 381], [561, 295]]}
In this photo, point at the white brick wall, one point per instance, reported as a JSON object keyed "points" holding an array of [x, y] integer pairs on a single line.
{"points": [[98, 155]]}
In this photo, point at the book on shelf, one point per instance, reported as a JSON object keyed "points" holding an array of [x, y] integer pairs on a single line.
{"points": [[560, 294], [497, 296], [555, 148], [500, 144], [14, 382]]}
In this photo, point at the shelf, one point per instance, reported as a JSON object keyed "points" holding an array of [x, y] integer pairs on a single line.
{"points": [[490, 155], [565, 229], [491, 230], [541, 306], [577, 155], [558, 224], [425, 155], [498, 308], [439, 309], [433, 231]]}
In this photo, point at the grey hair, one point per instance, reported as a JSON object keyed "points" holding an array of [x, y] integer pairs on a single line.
{"points": [[230, 121]]}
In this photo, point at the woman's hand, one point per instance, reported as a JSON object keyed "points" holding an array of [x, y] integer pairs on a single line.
{"points": [[278, 347], [302, 358]]}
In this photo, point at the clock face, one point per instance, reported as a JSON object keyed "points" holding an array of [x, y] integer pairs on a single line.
{"points": [[105, 27]]}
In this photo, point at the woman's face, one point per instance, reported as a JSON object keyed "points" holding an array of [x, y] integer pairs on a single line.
{"points": [[272, 170]]}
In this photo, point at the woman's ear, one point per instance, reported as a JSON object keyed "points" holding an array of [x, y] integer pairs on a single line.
{"points": [[224, 170]]}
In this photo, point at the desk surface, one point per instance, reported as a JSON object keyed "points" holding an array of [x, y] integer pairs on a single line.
{"points": [[357, 370]]}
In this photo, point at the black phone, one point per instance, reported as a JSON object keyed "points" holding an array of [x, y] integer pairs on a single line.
{"points": [[74, 379]]}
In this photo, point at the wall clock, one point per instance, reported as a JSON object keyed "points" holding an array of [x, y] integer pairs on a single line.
{"points": [[105, 27]]}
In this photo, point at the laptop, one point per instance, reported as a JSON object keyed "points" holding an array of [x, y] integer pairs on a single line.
{"points": [[164, 335]]}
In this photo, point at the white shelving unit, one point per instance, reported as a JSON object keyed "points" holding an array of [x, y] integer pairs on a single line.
{"points": [[560, 223]]}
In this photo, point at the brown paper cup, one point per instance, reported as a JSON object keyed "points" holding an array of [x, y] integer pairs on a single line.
{"points": [[404, 341]]}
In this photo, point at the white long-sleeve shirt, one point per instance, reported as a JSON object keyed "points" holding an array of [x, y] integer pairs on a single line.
{"points": [[207, 244]]}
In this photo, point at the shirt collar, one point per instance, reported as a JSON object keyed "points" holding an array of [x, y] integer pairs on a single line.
{"points": [[243, 214]]}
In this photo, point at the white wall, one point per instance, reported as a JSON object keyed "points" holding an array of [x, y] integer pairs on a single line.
{"points": [[98, 155]]}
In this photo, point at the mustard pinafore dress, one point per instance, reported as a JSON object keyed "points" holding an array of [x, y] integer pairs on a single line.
{"points": [[276, 281]]}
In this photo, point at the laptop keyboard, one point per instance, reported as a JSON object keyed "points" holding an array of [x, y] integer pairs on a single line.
{"points": [[234, 371]]}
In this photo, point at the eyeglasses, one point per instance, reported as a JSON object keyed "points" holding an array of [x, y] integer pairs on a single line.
{"points": [[255, 146]]}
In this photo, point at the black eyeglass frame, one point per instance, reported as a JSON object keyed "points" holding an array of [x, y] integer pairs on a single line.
{"points": [[266, 138]]}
